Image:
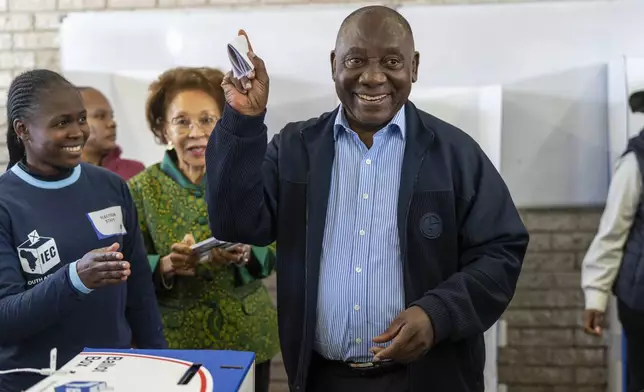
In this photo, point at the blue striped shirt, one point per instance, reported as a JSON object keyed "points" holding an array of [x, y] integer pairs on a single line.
{"points": [[361, 275]]}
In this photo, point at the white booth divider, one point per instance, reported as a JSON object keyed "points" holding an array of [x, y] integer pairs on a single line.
{"points": [[550, 58], [555, 130], [475, 110]]}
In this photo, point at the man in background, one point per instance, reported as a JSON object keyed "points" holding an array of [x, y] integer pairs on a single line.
{"points": [[101, 148], [614, 260]]}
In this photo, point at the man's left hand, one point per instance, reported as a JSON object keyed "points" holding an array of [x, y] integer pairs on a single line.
{"points": [[411, 335]]}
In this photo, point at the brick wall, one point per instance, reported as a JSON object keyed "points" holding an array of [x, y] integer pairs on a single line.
{"points": [[546, 350]]}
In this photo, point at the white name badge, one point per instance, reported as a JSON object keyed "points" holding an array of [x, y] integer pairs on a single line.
{"points": [[108, 222]]}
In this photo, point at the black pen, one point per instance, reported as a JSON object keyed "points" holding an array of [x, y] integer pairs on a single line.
{"points": [[231, 367]]}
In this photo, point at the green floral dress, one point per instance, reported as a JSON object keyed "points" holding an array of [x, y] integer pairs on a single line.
{"points": [[221, 308]]}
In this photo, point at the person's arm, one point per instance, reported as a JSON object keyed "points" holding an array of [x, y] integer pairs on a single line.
{"points": [[260, 265], [142, 310], [492, 244], [604, 256], [242, 180], [25, 313]]}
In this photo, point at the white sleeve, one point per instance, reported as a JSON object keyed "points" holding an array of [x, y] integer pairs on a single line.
{"points": [[603, 259]]}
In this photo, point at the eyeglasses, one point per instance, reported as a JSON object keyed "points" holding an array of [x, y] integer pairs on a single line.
{"points": [[184, 125]]}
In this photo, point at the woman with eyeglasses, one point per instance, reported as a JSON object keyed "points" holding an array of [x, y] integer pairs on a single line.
{"points": [[218, 302]]}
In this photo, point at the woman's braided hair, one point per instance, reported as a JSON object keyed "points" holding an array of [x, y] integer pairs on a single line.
{"points": [[23, 101]]}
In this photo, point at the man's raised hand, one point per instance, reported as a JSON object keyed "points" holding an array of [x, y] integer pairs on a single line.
{"points": [[248, 95]]}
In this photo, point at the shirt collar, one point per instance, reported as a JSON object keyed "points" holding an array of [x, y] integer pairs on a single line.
{"points": [[169, 167], [397, 123]]}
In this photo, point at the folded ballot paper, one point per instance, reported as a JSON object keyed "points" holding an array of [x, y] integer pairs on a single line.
{"points": [[238, 55]]}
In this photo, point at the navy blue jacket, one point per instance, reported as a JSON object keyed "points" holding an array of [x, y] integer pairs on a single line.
{"points": [[462, 240]]}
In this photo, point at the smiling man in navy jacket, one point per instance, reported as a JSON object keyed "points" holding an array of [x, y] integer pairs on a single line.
{"points": [[398, 242]]}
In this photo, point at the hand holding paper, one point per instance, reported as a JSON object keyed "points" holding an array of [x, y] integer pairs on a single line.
{"points": [[246, 86], [238, 54]]}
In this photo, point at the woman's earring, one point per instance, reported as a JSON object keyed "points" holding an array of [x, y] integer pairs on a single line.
{"points": [[169, 146]]}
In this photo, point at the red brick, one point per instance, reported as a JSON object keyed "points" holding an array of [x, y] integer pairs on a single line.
{"points": [[589, 220], [583, 339], [579, 259], [550, 221], [15, 22], [548, 375], [82, 5], [549, 280], [539, 242], [592, 376], [549, 261], [530, 388], [131, 4], [543, 318], [571, 241], [279, 387], [551, 356], [541, 337], [31, 5], [547, 299]]}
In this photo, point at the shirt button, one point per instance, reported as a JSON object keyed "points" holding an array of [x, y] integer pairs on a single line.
{"points": [[358, 269], [368, 161], [356, 307], [361, 232], [365, 196], [198, 194], [203, 220], [358, 340]]}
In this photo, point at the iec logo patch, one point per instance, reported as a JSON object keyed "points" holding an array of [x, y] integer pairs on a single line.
{"points": [[84, 386], [38, 254], [431, 225]]}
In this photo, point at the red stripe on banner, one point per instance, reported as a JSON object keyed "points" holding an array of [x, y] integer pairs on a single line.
{"points": [[202, 374]]}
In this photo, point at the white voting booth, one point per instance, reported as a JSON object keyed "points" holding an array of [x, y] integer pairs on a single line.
{"points": [[299, 89], [97, 370]]}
